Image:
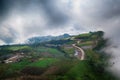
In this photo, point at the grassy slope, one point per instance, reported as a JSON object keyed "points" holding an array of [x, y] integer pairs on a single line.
{"points": [[13, 69], [86, 43], [45, 62], [46, 49], [90, 69], [52, 51], [80, 71], [84, 35], [16, 48]]}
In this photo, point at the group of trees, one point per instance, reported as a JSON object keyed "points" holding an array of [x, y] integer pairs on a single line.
{"points": [[90, 36]]}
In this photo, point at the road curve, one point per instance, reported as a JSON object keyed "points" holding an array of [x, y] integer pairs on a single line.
{"points": [[81, 50]]}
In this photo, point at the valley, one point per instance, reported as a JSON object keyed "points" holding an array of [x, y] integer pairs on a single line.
{"points": [[76, 57]]}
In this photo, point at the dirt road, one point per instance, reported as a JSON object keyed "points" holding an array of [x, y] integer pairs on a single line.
{"points": [[80, 52]]}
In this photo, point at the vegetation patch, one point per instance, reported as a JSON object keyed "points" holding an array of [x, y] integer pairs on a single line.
{"points": [[45, 62]]}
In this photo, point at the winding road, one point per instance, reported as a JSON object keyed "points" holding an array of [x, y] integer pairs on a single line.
{"points": [[80, 52]]}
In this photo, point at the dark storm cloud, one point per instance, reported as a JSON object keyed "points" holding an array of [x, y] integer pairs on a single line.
{"points": [[104, 9], [30, 10], [7, 34], [51, 9], [5, 6], [53, 12], [112, 8]]}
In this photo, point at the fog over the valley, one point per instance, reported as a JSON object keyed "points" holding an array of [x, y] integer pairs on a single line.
{"points": [[20, 19]]}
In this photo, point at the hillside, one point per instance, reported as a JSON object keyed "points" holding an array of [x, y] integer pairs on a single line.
{"points": [[56, 59], [40, 39]]}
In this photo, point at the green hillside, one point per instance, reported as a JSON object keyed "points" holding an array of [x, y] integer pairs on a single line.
{"points": [[56, 60]]}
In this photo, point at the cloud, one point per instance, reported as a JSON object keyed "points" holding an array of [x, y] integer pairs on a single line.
{"points": [[53, 11], [5, 8], [33, 17], [38, 16], [7, 34]]}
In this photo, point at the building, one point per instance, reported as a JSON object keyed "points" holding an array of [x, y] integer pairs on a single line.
{"points": [[15, 58]]}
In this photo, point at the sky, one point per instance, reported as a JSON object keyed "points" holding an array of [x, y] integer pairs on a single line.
{"points": [[21, 19]]}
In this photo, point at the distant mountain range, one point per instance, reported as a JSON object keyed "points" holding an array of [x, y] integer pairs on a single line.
{"points": [[40, 39]]}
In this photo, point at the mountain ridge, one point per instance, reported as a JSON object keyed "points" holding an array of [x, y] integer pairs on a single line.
{"points": [[40, 39]]}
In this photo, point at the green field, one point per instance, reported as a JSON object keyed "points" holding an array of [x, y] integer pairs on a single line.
{"points": [[80, 70], [84, 35], [16, 48], [50, 51], [86, 43], [12, 69], [40, 63], [46, 49], [44, 62]]}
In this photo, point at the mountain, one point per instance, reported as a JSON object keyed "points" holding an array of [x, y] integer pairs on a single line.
{"points": [[40, 39]]}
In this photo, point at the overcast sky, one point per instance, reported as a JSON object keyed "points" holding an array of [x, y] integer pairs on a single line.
{"points": [[20, 19]]}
